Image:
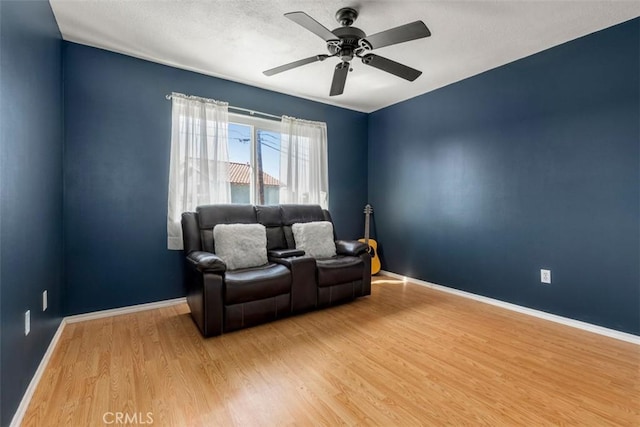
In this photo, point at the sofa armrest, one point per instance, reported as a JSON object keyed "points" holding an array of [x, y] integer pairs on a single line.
{"points": [[207, 262], [304, 288], [351, 247], [285, 253]]}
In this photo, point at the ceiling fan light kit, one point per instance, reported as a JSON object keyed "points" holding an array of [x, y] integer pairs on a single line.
{"points": [[347, 42]]}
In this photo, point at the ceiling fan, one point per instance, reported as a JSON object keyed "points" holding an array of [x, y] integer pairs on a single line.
{"points": [[346, 41]]}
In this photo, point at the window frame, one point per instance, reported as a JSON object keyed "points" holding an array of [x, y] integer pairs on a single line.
{"points": [[255, 124]]}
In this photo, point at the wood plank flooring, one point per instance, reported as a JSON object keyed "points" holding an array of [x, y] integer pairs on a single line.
{"points": [[407, 355]]}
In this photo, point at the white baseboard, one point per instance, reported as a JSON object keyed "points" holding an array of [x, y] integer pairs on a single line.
{"points": [[28, 394], [123, 310], [611, 333]]}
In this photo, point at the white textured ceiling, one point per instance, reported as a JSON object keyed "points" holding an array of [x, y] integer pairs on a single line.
{"points": [[238, 39]]}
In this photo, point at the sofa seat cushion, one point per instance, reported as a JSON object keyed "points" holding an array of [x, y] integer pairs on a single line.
{"points": [[339, 269], [251, 284]]}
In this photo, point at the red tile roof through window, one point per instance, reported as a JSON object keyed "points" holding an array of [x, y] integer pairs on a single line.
{"points": [[240, 173]]}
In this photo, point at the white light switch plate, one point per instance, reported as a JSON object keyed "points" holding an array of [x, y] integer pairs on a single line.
{"points": [[44, 301]]}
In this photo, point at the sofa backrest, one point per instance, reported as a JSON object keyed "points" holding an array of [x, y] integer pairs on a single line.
{"points": [[327, 217], [197, 227], [211, 215], [271, 218], [190, 232]]}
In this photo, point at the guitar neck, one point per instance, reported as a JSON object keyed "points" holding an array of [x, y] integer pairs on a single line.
{"points": [[366, 228]]}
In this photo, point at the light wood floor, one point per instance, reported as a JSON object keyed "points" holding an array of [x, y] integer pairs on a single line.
{"points": [[407, 355]]}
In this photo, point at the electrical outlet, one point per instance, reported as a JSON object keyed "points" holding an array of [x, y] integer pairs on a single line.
{"points": [[44, 301], [27, 322], [545, 276]]}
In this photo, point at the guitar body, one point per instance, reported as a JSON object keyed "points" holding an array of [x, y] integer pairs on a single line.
{"points": [[373, 251]]}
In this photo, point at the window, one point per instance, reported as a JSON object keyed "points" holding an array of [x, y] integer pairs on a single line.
{"points": [[218, 157], [254, 160]]}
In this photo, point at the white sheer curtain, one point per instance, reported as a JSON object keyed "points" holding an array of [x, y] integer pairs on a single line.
{"points": [[304, 170], [199, 165]]}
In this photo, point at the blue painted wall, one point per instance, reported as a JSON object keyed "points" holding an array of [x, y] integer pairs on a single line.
{"points": [[117, 139], [532, 165], [31, 137]]}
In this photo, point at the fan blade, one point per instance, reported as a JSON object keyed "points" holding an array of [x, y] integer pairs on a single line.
{"points": [[311, 24], [339, 79], [390, 66], [294, 64], [401, 34]]}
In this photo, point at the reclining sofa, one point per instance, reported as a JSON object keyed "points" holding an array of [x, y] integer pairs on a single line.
{"points": [[222, 299]]}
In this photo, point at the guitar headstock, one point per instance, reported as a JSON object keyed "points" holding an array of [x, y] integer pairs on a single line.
{"points": [[368, 209]]}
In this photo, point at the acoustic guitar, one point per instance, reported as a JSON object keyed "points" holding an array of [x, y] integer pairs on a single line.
{"points": [[373, 245]]}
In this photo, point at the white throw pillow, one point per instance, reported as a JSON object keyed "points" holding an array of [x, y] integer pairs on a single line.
{"points": [[315, 238], [241, 245]]}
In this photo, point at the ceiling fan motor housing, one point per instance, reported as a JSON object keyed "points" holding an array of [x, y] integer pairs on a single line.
{"points": [[348, 41]]}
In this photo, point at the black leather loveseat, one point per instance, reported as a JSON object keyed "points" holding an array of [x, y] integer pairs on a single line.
{"points": [[222, 300]]}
